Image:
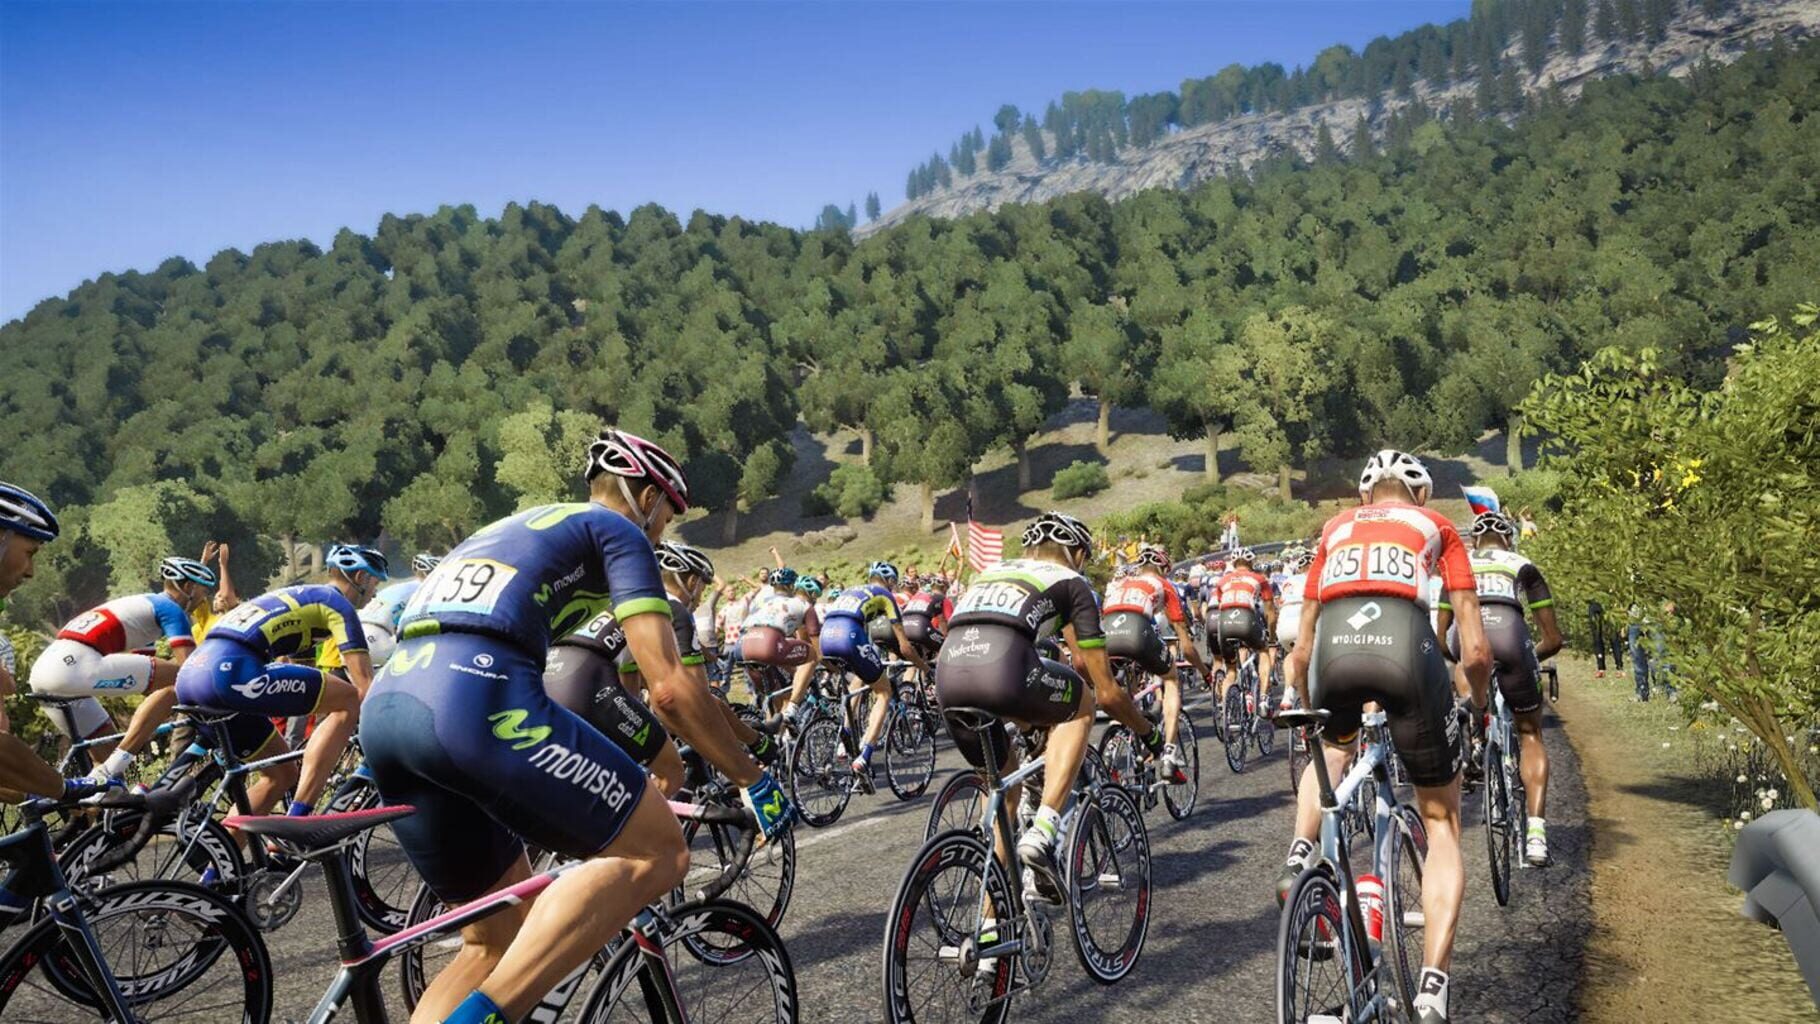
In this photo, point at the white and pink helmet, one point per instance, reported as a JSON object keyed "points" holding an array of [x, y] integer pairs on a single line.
{"points": [[630, 457]]}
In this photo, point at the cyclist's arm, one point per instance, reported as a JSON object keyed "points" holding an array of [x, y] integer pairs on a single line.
{"points": [[911, 654], [1551, 632], [1089, 657], [22, 771], [683, 703], [1475, 650], [1297, 666], [359, 668]]}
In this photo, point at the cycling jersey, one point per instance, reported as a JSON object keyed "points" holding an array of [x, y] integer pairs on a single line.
{"points": [[131, 624], [937, 609], [682, 624], [1505, 577], [537, 575], [582, 674], [1388, 549], [1035, 598], [1290, 597], [1144, 594], [387, 606], [786, 613], [289, 623], [1241, 588], [864, 602], [603, 635]]}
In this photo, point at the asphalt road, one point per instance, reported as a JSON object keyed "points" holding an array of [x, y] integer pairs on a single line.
{"points": [[1210, 955]]}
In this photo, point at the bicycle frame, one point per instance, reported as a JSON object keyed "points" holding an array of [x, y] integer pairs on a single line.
{"points": [[1370, 763], [36, 875]]}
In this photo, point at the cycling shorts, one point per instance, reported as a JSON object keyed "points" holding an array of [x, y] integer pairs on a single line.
{"points": [[1289, 626], [1238, 627], [921, 632], [768, 645], [71, 668], [1133, 635], [884, 636], [999, 672], [844, 640], [459, 727], [227, 675], [587, 683], [1382, 649], [1513, 658]]}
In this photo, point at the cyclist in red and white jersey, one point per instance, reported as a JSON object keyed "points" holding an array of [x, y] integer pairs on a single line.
{"points": [[1290, 596], [1239, 615], [1365, 637], [1129, 614]]}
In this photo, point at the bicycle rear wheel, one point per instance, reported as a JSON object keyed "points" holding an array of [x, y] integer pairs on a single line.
{"points": [[384, 880], [1180, 797], [769, 878], [178, 952], [754, 981], [1118, 756], [820, 780], [1109, 885], [909, 752], [1400, 859], [1237, 724], [1498, 839]]}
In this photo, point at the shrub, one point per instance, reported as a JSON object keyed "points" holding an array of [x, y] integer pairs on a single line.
{"points": [[852, 491], [1081, 479]]}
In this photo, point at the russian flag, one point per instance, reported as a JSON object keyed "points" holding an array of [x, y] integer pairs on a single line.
{"points": [[1482, 499]]}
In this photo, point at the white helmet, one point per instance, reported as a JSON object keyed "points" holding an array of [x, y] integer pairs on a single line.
{"points": [[1065, 530], [1390, 464]]}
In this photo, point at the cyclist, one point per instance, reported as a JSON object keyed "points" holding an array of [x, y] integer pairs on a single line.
{"points": [[845, 637], [461, 729], [1239, 616], [1131, 607], [105, 651], [27, 524], [1507, 583], [780, 630], [990, 662], [1365, 637], [926, 616]]}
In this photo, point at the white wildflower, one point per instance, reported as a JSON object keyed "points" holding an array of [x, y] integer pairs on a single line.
{"points": [[1768, 804], [1743, 778], [1743, 816]]}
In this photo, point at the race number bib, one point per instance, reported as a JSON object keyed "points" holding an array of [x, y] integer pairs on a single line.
{"points": [[243, 618], [1496, 584], [1002, 598], [470, 585], [1378, 563]]}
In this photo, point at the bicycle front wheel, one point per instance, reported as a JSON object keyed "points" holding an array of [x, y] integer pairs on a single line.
{"points": [[933, 973], [821, 782], [178, 952], [909, 752], [959, 804], [754, 982], [1180, 797], [1237, 725], [1314, 978], [1109, 885]]}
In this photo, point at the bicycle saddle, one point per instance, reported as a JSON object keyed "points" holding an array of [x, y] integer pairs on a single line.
{"points": [[1296, 718], [316, 833]]}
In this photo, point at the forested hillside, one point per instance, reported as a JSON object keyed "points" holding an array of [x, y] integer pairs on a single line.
{"points": [[446, 368], [1506, 57]]}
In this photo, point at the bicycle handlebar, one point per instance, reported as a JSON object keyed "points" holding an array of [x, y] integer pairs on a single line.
{"points": [[719, 814]]}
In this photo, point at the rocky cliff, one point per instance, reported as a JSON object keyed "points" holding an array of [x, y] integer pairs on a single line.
{"points": [[1193, 155]]}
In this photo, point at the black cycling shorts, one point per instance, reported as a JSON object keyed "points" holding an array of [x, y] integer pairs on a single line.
{"points": [[1383, 649], [1234, 628], [920, 630], [1513, 658], [587, 683], [1133, 636], [996, 669], [884, 636]]}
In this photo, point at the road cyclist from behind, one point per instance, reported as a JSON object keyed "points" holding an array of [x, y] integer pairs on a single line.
{"points": [[1130, 613], [379, 617], [460, 728], [26, 525], [780, 630], [109, 651], [1507, 584], [1239, 616], [845, 639], [1364, 637], [241, 666], [1289, 598], [990, 663]]}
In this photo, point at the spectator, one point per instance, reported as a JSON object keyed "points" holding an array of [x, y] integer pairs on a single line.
{"points": [[1634, 633], [1595, 615], [1526, 524]]}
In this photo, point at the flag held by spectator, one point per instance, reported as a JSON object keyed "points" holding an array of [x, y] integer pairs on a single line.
{"points": [[984, 545], [1482, 499]]}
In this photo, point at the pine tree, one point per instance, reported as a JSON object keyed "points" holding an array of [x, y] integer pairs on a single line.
{"points": [[852, 216], [1605, 22], [1510, 91], [1656, 17], [1463, 112], [1401, 83], [1362, 146], [1033, 138], [1630, 20], [1325, 151], [1573, 27], [872, 206], [998, 152], [912, 191]]}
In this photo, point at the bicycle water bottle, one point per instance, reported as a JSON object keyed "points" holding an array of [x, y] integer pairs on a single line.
{"points": [[1371, 905]]}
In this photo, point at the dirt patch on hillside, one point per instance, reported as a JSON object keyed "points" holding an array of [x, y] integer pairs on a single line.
{"points": [[1667, 940]]}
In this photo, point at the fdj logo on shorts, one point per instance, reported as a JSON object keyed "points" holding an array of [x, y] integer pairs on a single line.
{"points": [[509, 726]]}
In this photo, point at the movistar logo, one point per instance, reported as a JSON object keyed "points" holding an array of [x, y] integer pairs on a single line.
{"points": [[773, 805], [543, 594], [405, 659], [509, 726]]}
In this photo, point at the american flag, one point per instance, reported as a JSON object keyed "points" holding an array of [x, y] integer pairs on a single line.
{"points": [[984, 544]]}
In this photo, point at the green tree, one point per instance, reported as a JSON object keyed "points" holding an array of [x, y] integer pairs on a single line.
{"points": [[1007, 119], [542, 451], [1033, 139], [1111, 357], [872, 206], [136, 528], [1605, 22]]}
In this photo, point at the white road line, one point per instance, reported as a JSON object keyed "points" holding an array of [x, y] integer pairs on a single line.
{"points": [[835, 833]]}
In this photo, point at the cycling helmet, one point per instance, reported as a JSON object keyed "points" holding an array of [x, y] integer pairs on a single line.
{"points": [[834, 592], [351, 558], [180, 570], [1390, 464], [882, 570], [630, 457], [782, 578], [1153, 554], [22, 512], [684, 560], [1494, 522], [810, 585], [1065, 530], [1296, 557], [425, 562], [1246, 555]]}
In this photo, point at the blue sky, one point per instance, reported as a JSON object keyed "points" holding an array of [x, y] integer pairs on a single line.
{"points": [[132, 133]]}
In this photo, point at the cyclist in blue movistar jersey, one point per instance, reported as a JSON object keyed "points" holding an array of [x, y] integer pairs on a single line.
{"points": [[845, 639], [461, 729]]}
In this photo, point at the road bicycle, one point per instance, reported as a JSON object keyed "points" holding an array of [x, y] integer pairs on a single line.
{"points": [[1245, 716], [967, 932], [1337, 957], [820, 765], [716, 958], [136, 953], [1140, 774], [1506, 804]]}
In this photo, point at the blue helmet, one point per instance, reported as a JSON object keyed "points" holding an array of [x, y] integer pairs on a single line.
{"points": [[23, 512], [882, 570], [180, 570], [356, 558], [809, 585]]}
